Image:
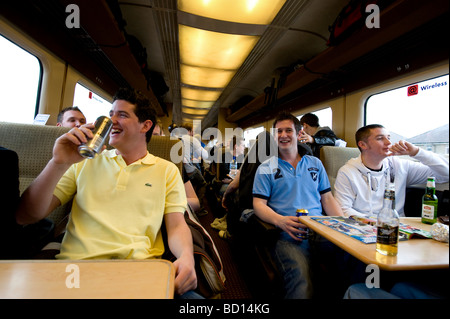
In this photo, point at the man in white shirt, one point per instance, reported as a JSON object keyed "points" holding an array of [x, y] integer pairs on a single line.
{"points": [[360, 183]]}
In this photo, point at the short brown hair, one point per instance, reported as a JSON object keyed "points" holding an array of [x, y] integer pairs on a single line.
{"points": [[187, 126], [288, 116], [142, 107], [363, 133], [70, 108], [310, 119]]}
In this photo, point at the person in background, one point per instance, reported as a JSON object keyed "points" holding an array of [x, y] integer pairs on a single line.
{"points": [[361, 182], [199, 138], [236, 154], [283, 184], [71, 117], [193, 153], [315, 135], [103, 223], [159, 130]]}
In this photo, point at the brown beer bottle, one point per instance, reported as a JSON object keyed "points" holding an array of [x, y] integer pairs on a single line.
{"points": [[388, 224]]}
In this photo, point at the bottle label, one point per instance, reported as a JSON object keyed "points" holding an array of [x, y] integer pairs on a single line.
{"points": [[389, 194], [428, 211], [387, 235]]}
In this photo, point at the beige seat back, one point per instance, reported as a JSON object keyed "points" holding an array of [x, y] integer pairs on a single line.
{"points": [[333, 158], [34, 146], [162, 146]]}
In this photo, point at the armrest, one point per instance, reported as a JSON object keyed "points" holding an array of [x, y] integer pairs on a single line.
{"points": [[265, 226], [265, 231]]}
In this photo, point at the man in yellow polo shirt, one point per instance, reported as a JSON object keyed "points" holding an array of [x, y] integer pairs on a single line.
{"points": [[120, 198]]}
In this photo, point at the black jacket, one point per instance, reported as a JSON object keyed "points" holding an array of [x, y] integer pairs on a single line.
{"points": [[323, 137]]}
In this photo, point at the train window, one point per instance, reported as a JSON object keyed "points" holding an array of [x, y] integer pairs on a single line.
{"points": [[20, 81], [90, 103], [250, 135], [325, 117], [417, 113]]}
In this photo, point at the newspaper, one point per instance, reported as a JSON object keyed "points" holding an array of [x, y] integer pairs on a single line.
{"points": [[365, 230]]}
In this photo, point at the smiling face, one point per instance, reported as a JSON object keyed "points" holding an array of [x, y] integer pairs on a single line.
{"points": [[286, 136], [127, 132]]}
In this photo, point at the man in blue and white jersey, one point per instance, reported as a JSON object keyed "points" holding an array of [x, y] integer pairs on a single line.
{"points": [[282, 185]]}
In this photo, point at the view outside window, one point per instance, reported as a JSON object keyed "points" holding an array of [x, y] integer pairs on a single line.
{"points": [[90, 103], [250, 135], [417, 113], [20, 78], [325, 117]]}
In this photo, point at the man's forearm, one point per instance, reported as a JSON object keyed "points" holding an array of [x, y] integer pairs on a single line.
{"points": [[37, 201], [179, 236], [265, 212], [330, 205]]}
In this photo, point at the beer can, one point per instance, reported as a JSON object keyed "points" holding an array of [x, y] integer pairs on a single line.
{"points": [[302, 212], [101, 131]]}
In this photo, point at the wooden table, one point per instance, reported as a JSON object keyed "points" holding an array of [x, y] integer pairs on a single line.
{"points": [[413, 254], [118, 279]]}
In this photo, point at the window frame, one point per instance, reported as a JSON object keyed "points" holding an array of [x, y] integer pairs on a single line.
{"points": [[403, 85], [40, 76]]}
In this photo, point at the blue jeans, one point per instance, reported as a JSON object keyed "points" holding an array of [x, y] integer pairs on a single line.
{"points": [[191, 294], [293, 261], [401, 290], [360, 291]]}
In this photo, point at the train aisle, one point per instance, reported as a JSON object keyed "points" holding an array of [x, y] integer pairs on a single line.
{"points": [[235, 285]]}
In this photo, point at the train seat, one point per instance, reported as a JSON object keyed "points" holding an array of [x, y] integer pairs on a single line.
{"points": [[34, 147], [333, 158], [162, 146]]}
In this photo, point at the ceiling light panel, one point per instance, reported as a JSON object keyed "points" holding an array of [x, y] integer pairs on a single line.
{"points": [[215, 50], [205, 77], [194, 111], [197, 104], [187, 117], [200, 95], [241, 11]]}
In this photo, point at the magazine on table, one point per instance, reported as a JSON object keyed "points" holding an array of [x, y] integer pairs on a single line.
{"points": [[364, 228]]}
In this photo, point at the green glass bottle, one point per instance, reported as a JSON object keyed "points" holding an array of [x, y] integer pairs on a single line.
{"points": [[429, 203]]}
